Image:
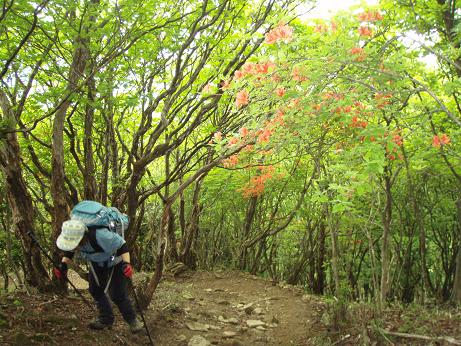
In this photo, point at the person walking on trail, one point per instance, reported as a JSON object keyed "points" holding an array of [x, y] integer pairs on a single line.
{"points": [[110, 269]]}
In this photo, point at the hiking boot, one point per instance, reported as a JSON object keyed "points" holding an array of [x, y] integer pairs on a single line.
{"points": [[97, 324], [135, 326]]}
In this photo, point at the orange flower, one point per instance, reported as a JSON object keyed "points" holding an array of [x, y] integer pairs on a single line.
{"points": [[438, 141], [264, 67], [317, 107], [232, 161], [238, 74], [280, 33], [232, 141], [264, 136], [275, 78], [285, 33], [365, 31], [242, 98], [280, 91], [382, 100], [356, 50], [297, 76], [334, 26], [248, 148], [293, 103], [444, 139], [271, 37], [320, 28], [370, 16], [397, 139], [249, 68]]}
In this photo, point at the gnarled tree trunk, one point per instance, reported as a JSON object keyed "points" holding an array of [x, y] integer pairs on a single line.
{"points": [[20, 200]]}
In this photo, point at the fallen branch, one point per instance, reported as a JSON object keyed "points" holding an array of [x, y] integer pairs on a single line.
{"points": [[448, 339], [48, 302]]}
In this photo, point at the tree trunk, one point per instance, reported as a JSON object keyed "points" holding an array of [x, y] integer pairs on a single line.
{"points": [[319, 283], [334, 253], [172, 250], [187, 255], [20, 201], [385, 250], [89, 192], [456, 295], [145, 297], [249, 217], [77, 69], [58, 194]]}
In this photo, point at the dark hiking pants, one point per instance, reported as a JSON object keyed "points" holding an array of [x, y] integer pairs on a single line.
{"points": [[117, 291]]}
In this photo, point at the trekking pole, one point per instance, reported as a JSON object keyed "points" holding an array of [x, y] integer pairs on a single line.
{"points": [[140, 312], [32, 236]]}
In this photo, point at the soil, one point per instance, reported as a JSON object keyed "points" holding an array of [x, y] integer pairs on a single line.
{"points": [[218, 304]]}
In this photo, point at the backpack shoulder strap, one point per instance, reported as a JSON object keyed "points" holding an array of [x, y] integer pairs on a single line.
{"points": [[92, 239]]}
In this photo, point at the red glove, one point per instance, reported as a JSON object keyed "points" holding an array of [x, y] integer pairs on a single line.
{"points": [[61, 271], [127, 270]]}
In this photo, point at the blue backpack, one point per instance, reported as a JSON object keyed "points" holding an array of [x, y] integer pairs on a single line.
{"points": [[95, 215]]}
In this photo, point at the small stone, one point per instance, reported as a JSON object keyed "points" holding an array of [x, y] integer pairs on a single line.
{"points": [[223, 302], [231, 320], [229, 334], [260, 328], [212, 327], [199, 327], [74, 329], [198, 340], [181, 337], [255, 323], [209, 290], [258, 311]]}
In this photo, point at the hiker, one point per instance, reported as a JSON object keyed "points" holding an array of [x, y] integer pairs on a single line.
{"points": [[109, 261]]}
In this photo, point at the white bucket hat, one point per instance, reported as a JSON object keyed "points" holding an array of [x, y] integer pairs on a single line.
{"points": [[72, 232]]}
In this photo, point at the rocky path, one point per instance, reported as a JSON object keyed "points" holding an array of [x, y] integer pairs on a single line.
{"points": [[197, 309], [236, 309]]}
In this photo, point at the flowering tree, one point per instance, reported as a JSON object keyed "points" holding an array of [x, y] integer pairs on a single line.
{"points": [[340, 94]]}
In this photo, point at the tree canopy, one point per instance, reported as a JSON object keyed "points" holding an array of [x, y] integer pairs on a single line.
{"points": [[235, 133]]}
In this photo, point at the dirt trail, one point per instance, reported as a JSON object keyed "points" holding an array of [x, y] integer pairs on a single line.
{"points": [[226, 308]]}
